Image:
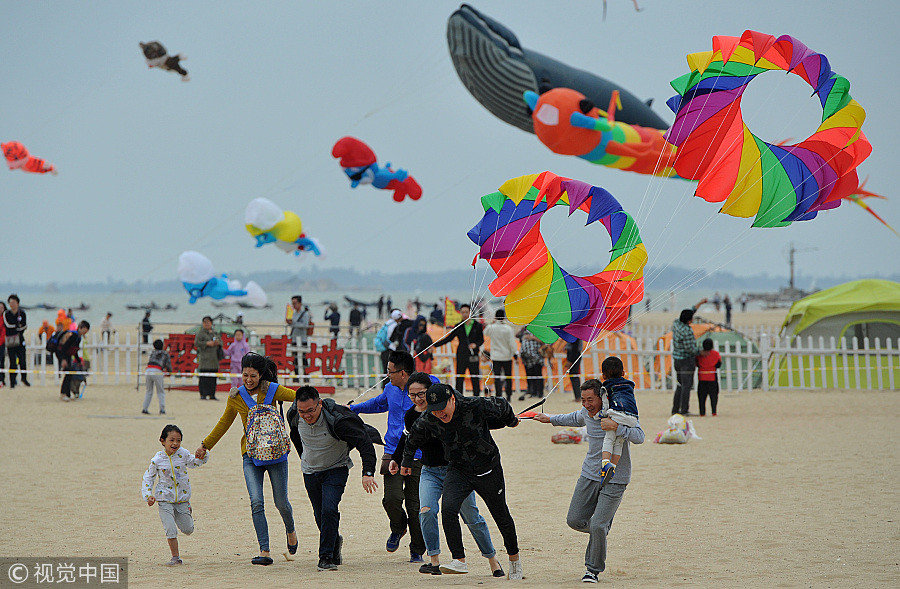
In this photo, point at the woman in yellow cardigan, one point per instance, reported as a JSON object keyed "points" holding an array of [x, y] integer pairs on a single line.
{"points": [[256, 372]]}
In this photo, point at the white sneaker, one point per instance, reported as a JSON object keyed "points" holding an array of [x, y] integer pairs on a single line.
{"points": [[515, 570], [63, 397], [456, 567]]}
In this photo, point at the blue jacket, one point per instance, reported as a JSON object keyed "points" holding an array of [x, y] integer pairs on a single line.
{"points": [[621, 395], [396, 402]]}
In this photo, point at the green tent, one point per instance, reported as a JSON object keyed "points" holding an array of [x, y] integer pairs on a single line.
{"points": [[860, 309]]}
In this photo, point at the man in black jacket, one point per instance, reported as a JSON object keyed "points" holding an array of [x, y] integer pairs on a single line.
{"points": [[470, 337], [323, 433], [462, 425]]}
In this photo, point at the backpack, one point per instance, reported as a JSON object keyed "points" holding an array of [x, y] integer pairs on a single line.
{"points": [[381, 339], [267, 440], [53, 341]]}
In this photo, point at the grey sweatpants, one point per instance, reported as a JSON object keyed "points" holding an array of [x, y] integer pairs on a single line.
{"points": [[591, 511], [155, 380], [176, 514]]}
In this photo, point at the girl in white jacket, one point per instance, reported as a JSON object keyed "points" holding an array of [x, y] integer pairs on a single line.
{"points": [[173, 490]]}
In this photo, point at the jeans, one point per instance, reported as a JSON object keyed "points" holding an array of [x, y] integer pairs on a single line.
{"points": [[682, 398], [400, 491], [325, 490], [503, 377], [16, 361], [431, 487], [591, 511], [278, 476], [2, 362], [491, 487]]}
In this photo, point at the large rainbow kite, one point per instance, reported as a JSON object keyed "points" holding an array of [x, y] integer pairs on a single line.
{"points": [[776, 183], [539, 293]]}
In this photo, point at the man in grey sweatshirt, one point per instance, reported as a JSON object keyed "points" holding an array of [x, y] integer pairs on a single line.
{"points": [[592, 508]]}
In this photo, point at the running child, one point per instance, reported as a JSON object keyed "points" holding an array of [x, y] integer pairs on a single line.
{"points": [[619, 404], [173, 491], [157, 366], [236, 350], [708, 360]]}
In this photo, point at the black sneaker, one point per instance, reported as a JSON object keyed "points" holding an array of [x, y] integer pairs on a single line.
{"points": [[336, 557], [590, 577], [499, 573], [430, 569], [325, 564]]}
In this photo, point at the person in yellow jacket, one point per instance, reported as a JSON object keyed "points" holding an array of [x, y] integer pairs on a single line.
{"points": [[257, 372]]}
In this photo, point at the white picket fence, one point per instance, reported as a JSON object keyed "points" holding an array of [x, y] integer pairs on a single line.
{"points": [[766, 362]]}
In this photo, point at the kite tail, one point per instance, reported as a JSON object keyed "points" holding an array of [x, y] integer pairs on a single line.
{"points": [[861, 193]]}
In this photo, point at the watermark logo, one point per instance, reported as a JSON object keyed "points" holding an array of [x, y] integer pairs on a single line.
{"points": [[64, 571]]}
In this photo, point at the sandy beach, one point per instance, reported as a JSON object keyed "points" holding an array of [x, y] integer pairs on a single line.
{"points": [[795, 508]]}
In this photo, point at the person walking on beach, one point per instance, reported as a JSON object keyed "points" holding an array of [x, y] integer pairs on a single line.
{"points": [[15, 323], [323, 433], [727, 302], [3, 345], [431, 487], [708, 362], [355, 320], [398, 490], [106, 329], [209, 348], [334, 317], [236, 351], [258, 375], [157, 366], [299, 323], [593, 505], [470, 337], [69, 360], [380, 307], [172, 492], [684, 353], [503, 352], [463, 425], [146, 327]]}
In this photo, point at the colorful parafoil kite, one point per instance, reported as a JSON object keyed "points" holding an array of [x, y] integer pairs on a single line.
{"points": [[497, 71], [156, 56], [553, 303], [569, 124], [360, 165], [199, 278], [776, 183], [268, 223], [17, 158]]}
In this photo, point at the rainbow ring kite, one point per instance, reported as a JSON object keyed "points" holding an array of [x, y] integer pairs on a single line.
{"points": [[777, 183], [553, 303]]}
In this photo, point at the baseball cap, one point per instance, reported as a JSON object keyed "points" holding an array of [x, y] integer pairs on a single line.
{"points": [[396, 315], [437, 396]]}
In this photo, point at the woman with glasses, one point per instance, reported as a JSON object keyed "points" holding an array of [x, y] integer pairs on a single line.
{"points": [[257, 372]]}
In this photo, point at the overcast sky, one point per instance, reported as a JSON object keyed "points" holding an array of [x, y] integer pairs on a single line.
{"points": [[150, 166]]}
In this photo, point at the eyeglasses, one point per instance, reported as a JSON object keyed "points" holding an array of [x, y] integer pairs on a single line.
{"points": [[308, 411], [417, 395], [395, 371]]}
